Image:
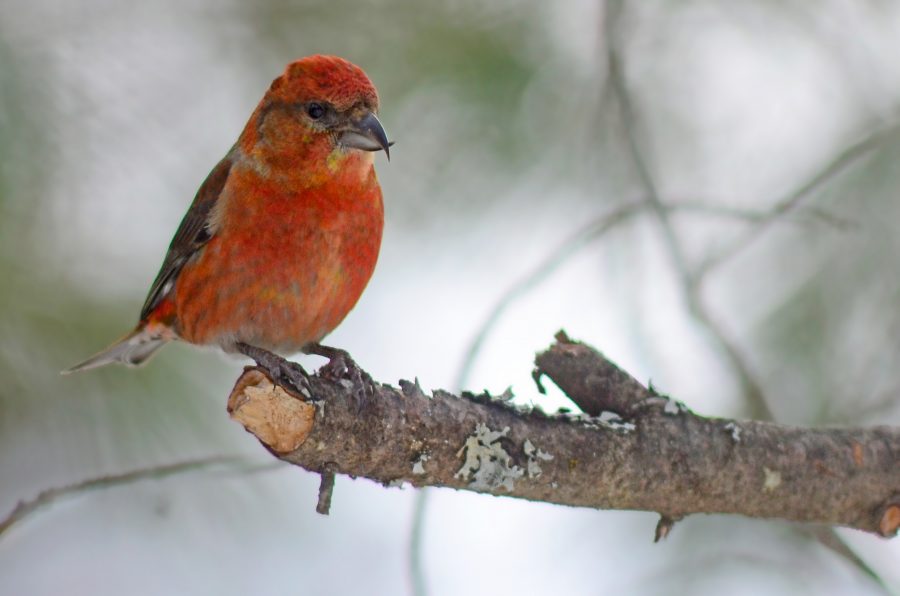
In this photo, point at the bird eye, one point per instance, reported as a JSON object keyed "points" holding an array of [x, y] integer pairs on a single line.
{"points": [[315, 111]]}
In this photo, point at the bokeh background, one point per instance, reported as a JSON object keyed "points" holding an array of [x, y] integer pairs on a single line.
{"points": [[748, 152]]}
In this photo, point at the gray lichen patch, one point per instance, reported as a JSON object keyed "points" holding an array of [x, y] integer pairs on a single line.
{"points": [[613, 421], [606, 419], [674, 408], [534, 455], [418, 467], [670, 407], [772, 480], [487, 465], [735, 431]]}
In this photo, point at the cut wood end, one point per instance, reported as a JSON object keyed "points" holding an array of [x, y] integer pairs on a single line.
{"points": [[277, 418], [890, 521]]}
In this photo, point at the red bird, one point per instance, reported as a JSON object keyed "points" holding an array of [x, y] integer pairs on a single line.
{"points": [[283, 234]]}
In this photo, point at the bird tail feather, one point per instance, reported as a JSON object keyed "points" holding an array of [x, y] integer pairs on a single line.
{"points": [[132, 350]]}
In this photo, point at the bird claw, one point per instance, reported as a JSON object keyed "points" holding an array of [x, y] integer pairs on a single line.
{"points": [[285, 373], [292, 376], [341, 366]]}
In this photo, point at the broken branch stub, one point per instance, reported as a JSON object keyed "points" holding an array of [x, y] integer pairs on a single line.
{"points": [[641, 451], [592, 382], [277, 418]]}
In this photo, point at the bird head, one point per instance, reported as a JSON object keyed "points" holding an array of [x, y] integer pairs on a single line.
{"points": [[319, 105]]}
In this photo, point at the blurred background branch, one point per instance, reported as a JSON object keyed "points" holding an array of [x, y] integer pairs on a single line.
{"points": [[51, 495], [766, 129]]}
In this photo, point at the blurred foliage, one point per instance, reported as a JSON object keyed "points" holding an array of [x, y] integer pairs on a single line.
{"points": [[833, 340], [508, 141]]}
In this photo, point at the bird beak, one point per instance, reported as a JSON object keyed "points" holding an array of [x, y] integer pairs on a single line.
{"points": [[367, 134]]}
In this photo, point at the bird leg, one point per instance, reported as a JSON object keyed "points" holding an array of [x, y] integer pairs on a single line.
{"points": [[341, 366], [283, 372]]}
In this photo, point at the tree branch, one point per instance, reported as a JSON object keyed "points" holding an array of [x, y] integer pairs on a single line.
{"points": [[25, 508], [630, 448]]}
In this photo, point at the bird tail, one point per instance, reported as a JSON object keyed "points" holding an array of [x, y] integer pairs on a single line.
{"points": [[132, 350]]}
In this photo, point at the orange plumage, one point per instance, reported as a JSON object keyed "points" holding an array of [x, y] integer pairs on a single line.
{"points": [[283, 235]]}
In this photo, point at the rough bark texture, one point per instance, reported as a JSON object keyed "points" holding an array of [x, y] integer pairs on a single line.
{"points": [[631, 448]]}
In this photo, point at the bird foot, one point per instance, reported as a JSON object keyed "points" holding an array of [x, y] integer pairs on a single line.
{"points": [[341, 366], [289, 375]]}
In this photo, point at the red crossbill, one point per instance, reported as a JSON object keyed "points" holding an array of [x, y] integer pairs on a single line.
{"points": [[283, 234]]}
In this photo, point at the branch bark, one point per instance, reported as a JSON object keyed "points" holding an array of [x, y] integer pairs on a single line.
{"points": [[629, 448]]}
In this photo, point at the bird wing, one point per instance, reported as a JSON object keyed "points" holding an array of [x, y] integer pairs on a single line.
{"points": [[192, 234]]}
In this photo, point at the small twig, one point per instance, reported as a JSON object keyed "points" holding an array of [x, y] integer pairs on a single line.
{"points": [[664, 527], [840, 163], [580, 239], [416, 538], [629, 122], [326, 490], [828, 538], [755, 216], [49, 496], [601, 385], [751, 388], [690, 287]]}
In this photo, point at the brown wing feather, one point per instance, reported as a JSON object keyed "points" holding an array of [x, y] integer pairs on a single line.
{"points": [[191, 235]]}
